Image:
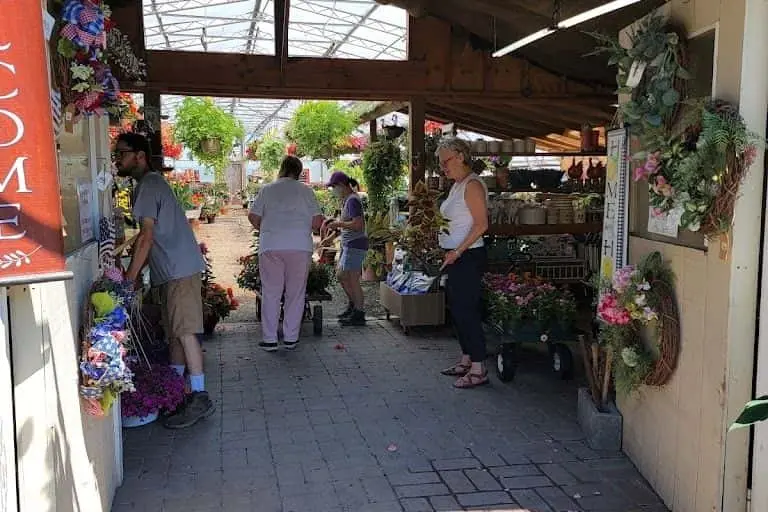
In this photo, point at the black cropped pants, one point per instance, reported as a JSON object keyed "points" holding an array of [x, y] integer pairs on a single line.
{"points": [[464, 290]]}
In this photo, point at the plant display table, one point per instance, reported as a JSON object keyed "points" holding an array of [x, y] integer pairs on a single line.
{"points": [[413, 310]]}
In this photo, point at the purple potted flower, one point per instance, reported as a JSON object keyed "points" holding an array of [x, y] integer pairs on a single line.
{"points": [[158, 388]]}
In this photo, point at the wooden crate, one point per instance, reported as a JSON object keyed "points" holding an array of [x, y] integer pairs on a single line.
{"points": [[413, 310]]}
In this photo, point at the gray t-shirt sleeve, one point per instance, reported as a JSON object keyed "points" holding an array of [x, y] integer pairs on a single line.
{"points": [[147, 204], [257, 208]]}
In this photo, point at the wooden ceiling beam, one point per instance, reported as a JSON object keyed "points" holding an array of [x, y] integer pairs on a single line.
{"points": [[510, 117], [282, 12], [502, 130], [383, 109]]}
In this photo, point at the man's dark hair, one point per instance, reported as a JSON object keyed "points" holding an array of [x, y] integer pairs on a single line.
{"points": [[136, 142], [291, 167]]}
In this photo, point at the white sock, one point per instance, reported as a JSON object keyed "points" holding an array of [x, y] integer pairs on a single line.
{"points": [[179, 369], [197, 382]]}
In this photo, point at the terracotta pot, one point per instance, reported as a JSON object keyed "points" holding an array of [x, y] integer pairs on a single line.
{"points": [[224, 210], [502, 177], [369, 275]]}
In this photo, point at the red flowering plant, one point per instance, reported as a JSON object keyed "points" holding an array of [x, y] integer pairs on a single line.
{"points": [[171, 149], [219, 301], [158, 388], [512, 301]]}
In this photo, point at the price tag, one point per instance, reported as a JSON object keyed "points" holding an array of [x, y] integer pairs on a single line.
{"points": [[636, 72]]}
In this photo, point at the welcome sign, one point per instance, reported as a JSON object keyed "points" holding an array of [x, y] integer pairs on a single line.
{"points": [[615, 228], [31, 243]]}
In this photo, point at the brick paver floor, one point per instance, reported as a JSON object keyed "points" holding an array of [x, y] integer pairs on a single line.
{"points": [[373, 427]]}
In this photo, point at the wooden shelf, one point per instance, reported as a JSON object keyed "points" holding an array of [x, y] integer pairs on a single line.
{"points": [[544, 229], [563, 154]]}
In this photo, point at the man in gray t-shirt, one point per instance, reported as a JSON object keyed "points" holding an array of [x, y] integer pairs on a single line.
{"points": [[167, 243]]}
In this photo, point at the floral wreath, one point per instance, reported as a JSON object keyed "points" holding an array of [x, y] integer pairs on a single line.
{"points": [[698, 172], [88, 44], [636, 298]]}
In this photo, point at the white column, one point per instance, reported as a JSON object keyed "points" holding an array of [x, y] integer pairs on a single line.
{"points": [[754, 109], [8, 497]]}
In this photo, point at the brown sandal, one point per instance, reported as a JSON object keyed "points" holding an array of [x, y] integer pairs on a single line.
{"points": [[457, 370], [472, 380]]}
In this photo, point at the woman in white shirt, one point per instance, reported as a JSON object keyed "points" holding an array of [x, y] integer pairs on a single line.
{"points": [[466, 209], [285, 213]]}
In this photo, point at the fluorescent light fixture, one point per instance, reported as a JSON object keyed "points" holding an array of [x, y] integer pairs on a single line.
{"points": [[594, 13], [524, 41], [570, 22]]}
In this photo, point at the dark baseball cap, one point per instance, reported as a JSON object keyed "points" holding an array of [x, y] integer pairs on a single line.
{"points": [[337, 178]]}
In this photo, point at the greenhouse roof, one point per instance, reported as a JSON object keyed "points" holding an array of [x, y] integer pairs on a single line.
{"points": [[360, 29]]}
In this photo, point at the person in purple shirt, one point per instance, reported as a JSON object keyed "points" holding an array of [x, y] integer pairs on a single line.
{"points": [[354, 246]]}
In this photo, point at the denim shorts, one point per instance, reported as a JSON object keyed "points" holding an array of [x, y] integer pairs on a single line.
{"points": [[351, 258]]}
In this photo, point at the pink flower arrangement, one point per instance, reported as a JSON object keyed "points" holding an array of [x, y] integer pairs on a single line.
{"points": [[158, 387], [650, 168], [513, 299], [661, 187], [625, 299]]}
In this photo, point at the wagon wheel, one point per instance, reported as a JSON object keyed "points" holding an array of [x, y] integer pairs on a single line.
{"points": [[506, 362], [562, 361], [317, 320]]}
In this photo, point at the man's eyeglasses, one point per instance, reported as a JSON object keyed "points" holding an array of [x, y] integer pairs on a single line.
{"points": [[118, 153]]}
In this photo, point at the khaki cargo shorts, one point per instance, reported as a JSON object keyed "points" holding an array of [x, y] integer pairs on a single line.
{"points": [[181, 303]]}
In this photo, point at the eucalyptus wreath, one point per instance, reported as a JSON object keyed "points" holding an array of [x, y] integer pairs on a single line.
{"points": [[658, 48]]}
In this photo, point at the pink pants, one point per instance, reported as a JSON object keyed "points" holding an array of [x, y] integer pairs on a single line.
{"points": [[283, 271]]}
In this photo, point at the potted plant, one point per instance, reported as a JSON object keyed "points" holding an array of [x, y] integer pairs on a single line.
{"points": [[207, 131], [420, 237], [218, 303], [157, 388], [319, 278], [248, 277], [252, 150]]}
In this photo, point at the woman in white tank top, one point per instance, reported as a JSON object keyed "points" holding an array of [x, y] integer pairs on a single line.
{"points": [[466, 209]]}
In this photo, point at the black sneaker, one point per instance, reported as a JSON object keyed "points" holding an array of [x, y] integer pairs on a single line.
{"points": [[357, 317], [347, 312], [198, 406], [290, 345], [269, 346]]}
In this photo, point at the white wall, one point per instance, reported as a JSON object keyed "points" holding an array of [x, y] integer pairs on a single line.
{"points": [[66, 458]]}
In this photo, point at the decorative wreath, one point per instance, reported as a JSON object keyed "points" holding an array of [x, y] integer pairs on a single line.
{"points": [[657, 55], [636, 298], [694, 163]]}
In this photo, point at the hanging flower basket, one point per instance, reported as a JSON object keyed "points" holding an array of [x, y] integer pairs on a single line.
{"points": [[210, 145]]}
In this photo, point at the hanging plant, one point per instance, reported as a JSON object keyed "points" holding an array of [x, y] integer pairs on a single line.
{"points": [[382, 169], [651, 70], [637, 297], [200, 122], [318, 126], [270, 154], [251, 150]]}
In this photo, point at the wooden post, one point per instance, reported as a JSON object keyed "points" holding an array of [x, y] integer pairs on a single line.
{"points": [[152, 118], [373, 128], [416, 112]]}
